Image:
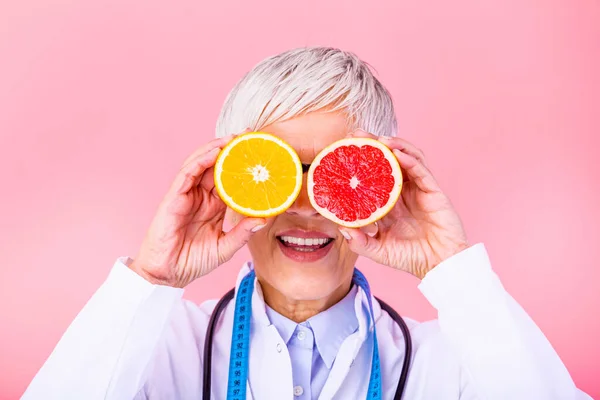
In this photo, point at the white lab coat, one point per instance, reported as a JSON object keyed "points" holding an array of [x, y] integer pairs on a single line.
{"points": [[135, 340]]}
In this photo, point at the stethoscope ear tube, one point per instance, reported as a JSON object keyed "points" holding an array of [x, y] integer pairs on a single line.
{"points": [[407, 347], [208, 342]]}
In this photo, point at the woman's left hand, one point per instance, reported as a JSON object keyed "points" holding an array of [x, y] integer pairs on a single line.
{"points": [[422, 229]]}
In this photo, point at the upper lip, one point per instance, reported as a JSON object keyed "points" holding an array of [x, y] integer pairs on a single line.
{"points": [[305, 234]]}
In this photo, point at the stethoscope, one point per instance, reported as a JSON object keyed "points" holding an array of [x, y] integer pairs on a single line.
{"points": [[227, 298]]}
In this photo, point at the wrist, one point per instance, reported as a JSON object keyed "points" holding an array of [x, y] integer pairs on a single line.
{"points": [[445, 254], [139, 269], [451, 251]]}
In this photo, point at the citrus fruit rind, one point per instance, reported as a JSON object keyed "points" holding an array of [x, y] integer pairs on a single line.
{"points": [[258, 175], [354, 181]]}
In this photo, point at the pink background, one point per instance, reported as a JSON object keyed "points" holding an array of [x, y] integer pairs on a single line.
{"points": [[101, 100]]}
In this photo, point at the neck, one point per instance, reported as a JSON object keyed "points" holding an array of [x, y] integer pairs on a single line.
{"points": [[301, 310]]}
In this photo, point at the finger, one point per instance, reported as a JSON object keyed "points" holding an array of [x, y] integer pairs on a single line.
{"points": [[417, 172], [215, 143], [195, 165], [206, 148], [371, 229], [238, 236], [189, 176], [361, 133], [207, 181], [405, 146], [360, 243]]}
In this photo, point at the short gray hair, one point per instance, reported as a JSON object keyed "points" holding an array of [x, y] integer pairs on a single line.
{"points": [[304, 80]]}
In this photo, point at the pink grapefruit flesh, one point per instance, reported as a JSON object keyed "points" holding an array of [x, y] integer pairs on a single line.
{"points": [[354, 181]]}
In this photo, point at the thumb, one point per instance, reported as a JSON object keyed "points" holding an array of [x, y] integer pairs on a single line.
{"points": [[361, 243], [238, 236]]}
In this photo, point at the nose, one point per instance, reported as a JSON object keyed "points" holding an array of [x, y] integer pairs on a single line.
{"points": [[302, 207]]}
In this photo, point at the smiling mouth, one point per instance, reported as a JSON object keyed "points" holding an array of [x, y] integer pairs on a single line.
{"points": [[304, 244]]}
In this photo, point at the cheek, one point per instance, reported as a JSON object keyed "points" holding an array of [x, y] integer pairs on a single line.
{"points": [[261, 242], [347, 256]]}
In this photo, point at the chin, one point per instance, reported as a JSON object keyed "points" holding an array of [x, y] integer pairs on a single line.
{"points": [[309, 288], [302, 265], [309, 281]]}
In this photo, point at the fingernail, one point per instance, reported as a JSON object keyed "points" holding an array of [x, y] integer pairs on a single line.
{"points": [[372, 234], [345, 234], [258, 228]]}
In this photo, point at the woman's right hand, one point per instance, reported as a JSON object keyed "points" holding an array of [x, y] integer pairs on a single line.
{"points": [[186, 238]]}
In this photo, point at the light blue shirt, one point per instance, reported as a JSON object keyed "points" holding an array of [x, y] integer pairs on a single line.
{"points": [[314, 343]]}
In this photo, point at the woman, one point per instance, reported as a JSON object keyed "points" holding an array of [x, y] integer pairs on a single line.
{"points": [[311, 331]]}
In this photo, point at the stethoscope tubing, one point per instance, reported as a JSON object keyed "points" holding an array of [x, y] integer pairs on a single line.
{"points": [[212, 323]]}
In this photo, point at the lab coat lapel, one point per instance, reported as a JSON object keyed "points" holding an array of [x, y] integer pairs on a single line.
{"points": [[270, 375], [270, 367], [348, 357]]}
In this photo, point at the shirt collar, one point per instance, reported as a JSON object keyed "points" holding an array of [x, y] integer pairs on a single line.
{"points": [[285, 326], [361, 309], [330, 327]]}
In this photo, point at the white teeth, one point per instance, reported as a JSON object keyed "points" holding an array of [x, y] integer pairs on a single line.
{"points": [[304, 242]]}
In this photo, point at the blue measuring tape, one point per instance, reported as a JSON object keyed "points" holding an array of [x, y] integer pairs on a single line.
{"points": [[240, 340]]}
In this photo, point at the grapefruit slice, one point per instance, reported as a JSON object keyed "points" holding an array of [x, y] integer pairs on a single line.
{"points": [[354, 181], [258, 175]]}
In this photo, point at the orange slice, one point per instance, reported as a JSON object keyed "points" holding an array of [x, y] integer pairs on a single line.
{"points": [[258, 175], [354, 182]]}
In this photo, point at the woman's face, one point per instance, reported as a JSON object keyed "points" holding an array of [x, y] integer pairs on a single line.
{"points": [[283, 267]]}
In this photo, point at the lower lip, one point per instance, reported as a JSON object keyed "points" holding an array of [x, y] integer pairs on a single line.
{"points": [[305, 256]]}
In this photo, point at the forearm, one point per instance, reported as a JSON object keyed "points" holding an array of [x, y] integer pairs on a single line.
{"points": [[503, 352], [106, 349]]}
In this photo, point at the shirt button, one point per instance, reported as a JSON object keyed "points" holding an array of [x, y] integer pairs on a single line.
{"points": [[301, 335], [279, 347], [298, 391]]}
